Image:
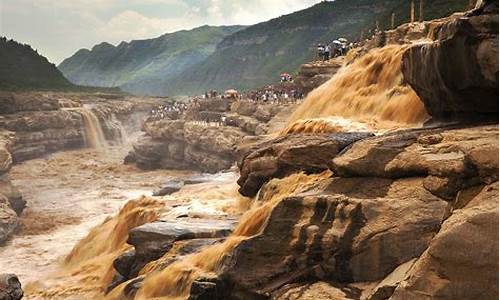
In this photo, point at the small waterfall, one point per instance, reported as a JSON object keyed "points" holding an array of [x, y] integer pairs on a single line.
{"points": [[94, 135], [114, 123]]}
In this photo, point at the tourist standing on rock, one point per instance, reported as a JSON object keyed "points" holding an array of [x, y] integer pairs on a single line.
{"points": [[321, 51], [326, 55]]}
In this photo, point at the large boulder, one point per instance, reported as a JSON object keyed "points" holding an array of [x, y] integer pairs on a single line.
{"points": [[462, 260], [452, 158], [281, 156], [456, 75], [343, 230]]}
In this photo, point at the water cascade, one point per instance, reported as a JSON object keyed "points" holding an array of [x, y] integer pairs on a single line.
{"points": [[371, 90], [94, 135]]}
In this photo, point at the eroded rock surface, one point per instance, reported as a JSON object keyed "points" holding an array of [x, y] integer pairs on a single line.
{"points": [[281, 156], [200, 140], [456, 75]]}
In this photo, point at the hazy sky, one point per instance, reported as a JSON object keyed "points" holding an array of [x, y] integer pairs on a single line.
{"points": [[58, 28]]}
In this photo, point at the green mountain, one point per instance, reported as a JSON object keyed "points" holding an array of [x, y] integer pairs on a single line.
{"points": [[191, 62], [144, 66], [257, 55], [21, 67]]}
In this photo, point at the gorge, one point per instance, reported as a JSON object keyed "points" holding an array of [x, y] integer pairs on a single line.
{"points": [[381, 184]]}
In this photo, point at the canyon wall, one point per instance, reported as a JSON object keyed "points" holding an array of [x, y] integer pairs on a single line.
{"points": [[35, 124], [200, 140]]}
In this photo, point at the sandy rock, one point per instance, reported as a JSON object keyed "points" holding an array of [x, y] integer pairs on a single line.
{"points": [[451, 88], [343, 230], [453, 158], [279, 157], [15, 102], [312, 75], [386, 287], [317, 291], [462, 259]]}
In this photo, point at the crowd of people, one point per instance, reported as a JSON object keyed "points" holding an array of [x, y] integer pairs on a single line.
{"points": [[338, 47], [172, 110], [275, 94]]}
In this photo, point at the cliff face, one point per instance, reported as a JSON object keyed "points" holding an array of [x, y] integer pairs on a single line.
{"points": [[35, 124], [191, 142], [143, 66], [456, 75]]}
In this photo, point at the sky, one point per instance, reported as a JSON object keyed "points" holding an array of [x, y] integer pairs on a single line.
{"points": [[59, 28]]}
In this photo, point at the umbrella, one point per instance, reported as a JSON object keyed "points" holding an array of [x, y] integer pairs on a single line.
{"points": [[231, 91], [343, 40], [337, 42]]}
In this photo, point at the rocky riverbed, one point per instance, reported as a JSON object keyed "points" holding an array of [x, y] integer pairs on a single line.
{"points": [[333, 212]]}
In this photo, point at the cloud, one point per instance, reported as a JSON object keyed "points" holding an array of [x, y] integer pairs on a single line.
{"points": [[58, 28]]}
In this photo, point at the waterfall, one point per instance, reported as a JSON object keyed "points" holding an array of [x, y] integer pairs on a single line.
{"points": [[371, 90], [94, 135]]}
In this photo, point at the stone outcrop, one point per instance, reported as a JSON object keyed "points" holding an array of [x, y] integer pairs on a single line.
{"points": [[35, 124], [10, 287], [206, 138], [462, 260], [44, 123], [176, 238], [314, 74], [456, 75], [379, 228], [11, 201], [282, 156], [449, 159]]}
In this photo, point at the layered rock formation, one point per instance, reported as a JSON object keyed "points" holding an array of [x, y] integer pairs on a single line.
{"points": [[35, 124], [314, 74], [391, 199], [464, 88], [45, 123], [207, 137]]}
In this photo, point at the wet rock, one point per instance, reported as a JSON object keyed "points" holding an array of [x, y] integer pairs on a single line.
{"points": [[12, 193], [157, 237], [153, 240], [459, 89], [169, 188], [342, 230], [205, 288], [318, 291], [9, 221], [281, 156], [453, 158], [10, 287], [386, 287], [462, 259]]}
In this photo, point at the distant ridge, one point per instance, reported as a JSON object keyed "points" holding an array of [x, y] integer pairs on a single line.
{"points": [[21, 67], [144, 66], [191, 62]]}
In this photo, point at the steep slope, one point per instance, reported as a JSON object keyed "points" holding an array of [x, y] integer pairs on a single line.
{"points": [[143, 66], [21, 67], [256, 55]]}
